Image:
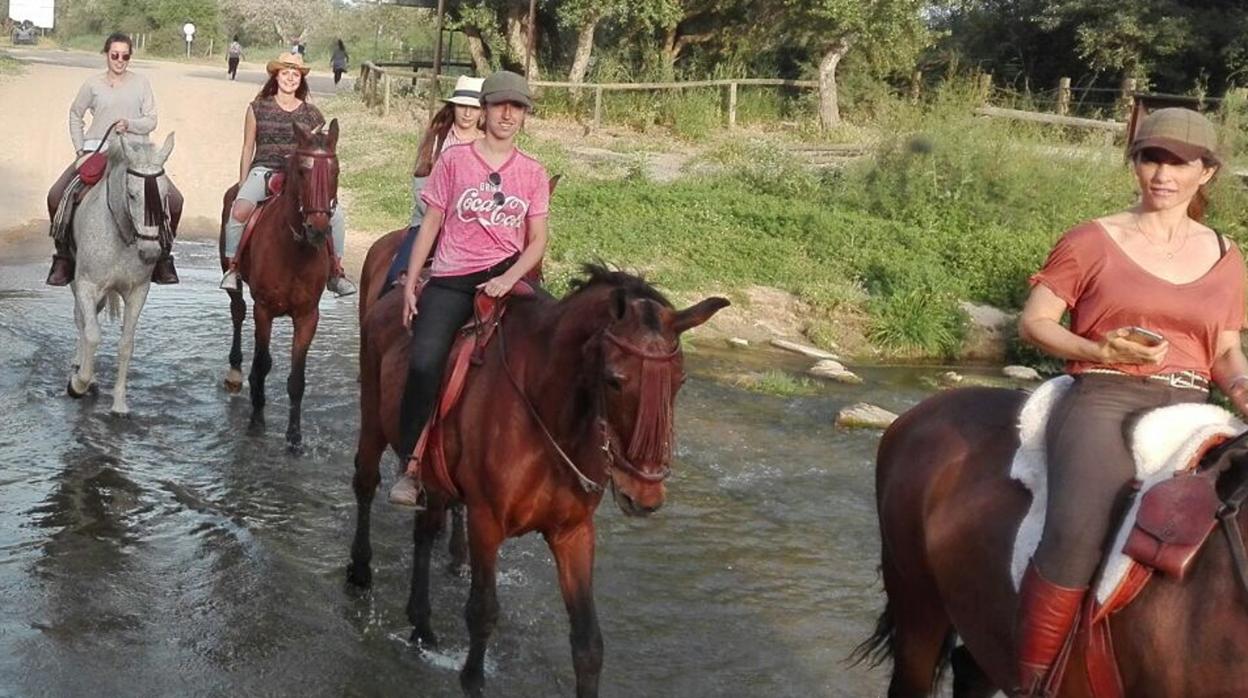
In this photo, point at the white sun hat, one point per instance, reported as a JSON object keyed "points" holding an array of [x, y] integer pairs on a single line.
{"points": [[467, 92]]}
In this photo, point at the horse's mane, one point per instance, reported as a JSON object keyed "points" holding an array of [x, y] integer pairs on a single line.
{"points": [[596, 274]]}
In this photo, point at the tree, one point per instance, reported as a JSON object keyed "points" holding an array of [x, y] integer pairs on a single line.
{"points": [[892, 30], [584, 16], [273, 17]]}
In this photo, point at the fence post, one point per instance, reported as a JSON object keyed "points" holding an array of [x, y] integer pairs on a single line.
{"points": [[984, 87], [916, 86], [1128, 96], [732, 105], [597, 106], [210, 41], [1063, 96], [385, 104]]}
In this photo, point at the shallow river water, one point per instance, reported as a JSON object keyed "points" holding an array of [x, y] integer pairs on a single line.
{"points": [[178, 552]]}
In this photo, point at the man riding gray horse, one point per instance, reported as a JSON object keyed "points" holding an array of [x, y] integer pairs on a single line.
{"points": [[123, 101]]}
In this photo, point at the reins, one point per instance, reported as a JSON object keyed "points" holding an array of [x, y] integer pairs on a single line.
{"points": [[1228, 515], [154, 214]]}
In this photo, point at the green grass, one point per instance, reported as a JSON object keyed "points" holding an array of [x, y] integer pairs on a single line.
{"points": [[952, 207], [10, 65], [778, 383]]}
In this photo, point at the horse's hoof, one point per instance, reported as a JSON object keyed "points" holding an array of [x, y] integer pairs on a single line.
{"points": [[359, 576], [426, 639], [92, 390], [121, 414], [457, 569], [233, 387], [473, 684]]}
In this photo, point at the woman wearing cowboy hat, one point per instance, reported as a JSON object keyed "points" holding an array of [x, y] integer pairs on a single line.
{"points": [[458, 121], [268, 139]]}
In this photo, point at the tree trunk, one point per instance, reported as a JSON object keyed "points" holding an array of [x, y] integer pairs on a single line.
{"points": [[671, 50], [479, 51], [584, 47], [517, 38], [829, 109]]}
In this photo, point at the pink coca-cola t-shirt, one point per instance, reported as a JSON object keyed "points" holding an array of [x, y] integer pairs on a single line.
{"points": [[477, 232]]}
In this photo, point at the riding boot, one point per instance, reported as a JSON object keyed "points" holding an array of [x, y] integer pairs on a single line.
{"points": [[338, 282], [163, 272], [1046, 614], [62, 271]]}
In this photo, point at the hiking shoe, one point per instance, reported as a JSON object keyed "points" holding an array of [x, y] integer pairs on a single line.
{"points": [[407, 492], [231, 282], [163, 272], [340, 286], [62, 271]]}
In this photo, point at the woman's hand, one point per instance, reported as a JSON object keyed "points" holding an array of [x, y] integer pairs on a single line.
{"points": [[1117, 348], [121, 126], [409, 306], [498, 286]]}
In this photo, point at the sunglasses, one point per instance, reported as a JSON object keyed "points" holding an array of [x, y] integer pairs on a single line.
{"points": [[496, 179], [119, 56]]}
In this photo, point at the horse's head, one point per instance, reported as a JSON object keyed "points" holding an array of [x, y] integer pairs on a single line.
{"points": [[641, 368], [313, 173], [137, 187]]}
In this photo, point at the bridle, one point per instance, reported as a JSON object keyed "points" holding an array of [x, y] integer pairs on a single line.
{"points": [[153, 204], [321, 201], [615, 458]]}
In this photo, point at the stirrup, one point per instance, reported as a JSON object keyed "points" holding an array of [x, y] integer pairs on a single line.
{"points": [[231, 281]]}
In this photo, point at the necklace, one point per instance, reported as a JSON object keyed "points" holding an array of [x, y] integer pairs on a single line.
{"points": [[1167, 254]]}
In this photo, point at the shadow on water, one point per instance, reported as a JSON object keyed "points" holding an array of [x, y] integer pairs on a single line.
{"points": [[185, 551]]}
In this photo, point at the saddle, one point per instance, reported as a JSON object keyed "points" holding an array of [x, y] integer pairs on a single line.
{"points": [[274, 185], [1180, 451], [467, 350]]}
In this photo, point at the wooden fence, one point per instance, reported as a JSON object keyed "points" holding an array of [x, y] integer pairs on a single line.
{"points": [[376, 86]]}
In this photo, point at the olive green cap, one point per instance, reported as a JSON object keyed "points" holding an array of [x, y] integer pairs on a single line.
{"points": [[506, 86], [1184, 132]]}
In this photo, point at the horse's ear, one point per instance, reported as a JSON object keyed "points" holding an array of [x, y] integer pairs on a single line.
{"points": [[698, 314], [333, 133], [619, 303], [554, 182], [302, 134], [166, 149]]}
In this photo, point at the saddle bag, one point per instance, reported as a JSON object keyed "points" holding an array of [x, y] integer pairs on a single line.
{"points": [[92, 168], [1174, 519]]}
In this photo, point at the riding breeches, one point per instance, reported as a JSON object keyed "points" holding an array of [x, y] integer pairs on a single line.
{"points": [[1090, 468], [254, 190], [444, 306]]}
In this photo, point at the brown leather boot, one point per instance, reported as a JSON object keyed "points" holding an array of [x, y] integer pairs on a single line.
{"points": [[1046, 614], [62, 271], [163, 272]]}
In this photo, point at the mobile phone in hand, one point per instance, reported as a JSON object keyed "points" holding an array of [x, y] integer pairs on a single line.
{"points": [[1148, 338]]}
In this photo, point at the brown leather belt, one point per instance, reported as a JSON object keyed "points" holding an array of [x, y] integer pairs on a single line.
{"points": [[1190, 380]]}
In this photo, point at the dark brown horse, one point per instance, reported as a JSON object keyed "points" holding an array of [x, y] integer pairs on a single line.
{"points": [[948, 516], [286, 263], [599, 370]]}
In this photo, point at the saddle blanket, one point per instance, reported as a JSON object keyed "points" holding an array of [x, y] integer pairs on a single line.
{"points": [[1164, 441]]}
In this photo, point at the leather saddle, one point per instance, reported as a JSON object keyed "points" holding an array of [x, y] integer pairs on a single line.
{"points": [[467, 350]]}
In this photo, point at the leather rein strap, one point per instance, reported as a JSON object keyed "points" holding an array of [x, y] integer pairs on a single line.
{"points": [[614, 457], [1229, 516], [331, 203]]}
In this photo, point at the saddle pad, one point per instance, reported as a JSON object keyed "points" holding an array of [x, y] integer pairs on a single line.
{"points": [[1165, 441]]}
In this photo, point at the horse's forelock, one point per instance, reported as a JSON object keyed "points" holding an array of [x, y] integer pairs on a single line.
{"points": [[634, 285]]}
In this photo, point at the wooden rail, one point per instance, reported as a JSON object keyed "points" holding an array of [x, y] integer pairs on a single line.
{"points": [[1040, 117], [375, 85]]}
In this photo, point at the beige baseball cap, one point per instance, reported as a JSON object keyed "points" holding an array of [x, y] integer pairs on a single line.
{"points": [[1183, 132]]}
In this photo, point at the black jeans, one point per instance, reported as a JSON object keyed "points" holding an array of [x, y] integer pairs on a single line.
{"points": [[444, 306], [232, 66], [1090, 465]]}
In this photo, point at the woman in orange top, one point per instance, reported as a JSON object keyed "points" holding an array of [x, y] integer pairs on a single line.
{"points": [[1156, 302]]}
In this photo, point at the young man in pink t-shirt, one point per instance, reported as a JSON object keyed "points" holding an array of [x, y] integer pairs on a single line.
{"points": [[489, 201]]}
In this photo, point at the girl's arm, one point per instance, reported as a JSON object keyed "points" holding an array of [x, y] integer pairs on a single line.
{"points": [[249, 145]]}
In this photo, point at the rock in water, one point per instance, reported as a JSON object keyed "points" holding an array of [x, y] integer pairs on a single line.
{"points": [[738, 342], [1022, 373], [834, 370], [804, 349], [864, 416]]}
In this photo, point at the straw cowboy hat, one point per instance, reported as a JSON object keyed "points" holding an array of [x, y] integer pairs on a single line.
{"points": [[467, 92], [288, 60]]}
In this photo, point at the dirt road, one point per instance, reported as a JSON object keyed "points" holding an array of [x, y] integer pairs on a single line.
{"points": [[195, 102]]}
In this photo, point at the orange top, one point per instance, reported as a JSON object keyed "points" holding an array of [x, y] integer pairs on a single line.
{"points": [[1105, 289]]}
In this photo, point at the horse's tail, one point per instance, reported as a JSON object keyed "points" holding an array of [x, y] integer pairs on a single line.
{"points": [[878, 648], [114, 305]]}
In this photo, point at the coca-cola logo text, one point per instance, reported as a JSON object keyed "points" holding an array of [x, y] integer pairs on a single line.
{"points": [[477, 204]]}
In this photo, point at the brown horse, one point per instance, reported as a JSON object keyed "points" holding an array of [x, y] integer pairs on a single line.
{"points": [[573, 396], [286, 263], [948, 516]]}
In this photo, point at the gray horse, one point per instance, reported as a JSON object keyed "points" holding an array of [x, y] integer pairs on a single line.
{"points": [[117, 231]]}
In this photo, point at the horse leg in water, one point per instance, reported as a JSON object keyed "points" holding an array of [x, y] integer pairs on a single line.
{"points": [[368, 452], [238, 313], [481, 612], [86, 298], [261, 362], [427, 526], [921, 630], [305, 330], [125, 346], [574, 557], [969, 679], [458, 544]]}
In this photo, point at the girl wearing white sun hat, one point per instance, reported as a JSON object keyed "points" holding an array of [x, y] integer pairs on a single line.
{"points": [[458, 121]]}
